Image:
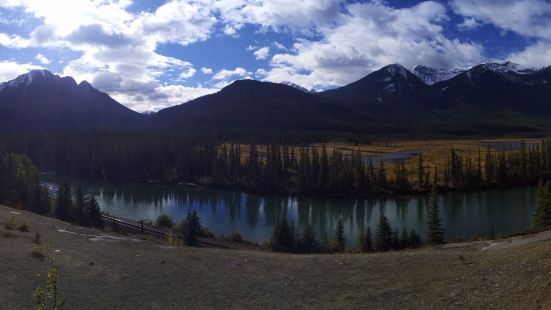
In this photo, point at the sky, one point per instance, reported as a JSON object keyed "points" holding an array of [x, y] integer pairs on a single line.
{"points": [[151, 54]]}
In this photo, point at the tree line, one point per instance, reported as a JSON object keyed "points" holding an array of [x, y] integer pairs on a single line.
{"points": [[276, 167], [20, 187]]}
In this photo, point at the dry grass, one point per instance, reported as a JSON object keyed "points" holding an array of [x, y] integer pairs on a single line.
{"points": [[147, 275]]}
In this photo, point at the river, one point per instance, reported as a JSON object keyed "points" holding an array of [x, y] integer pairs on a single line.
{"points": [[464, 215]]}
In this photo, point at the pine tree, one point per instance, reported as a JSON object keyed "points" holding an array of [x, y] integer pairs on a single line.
{"points": [[64, 202], [414, 239], [404, 239], [41, 200], [420, 173], [395, 240], [93, 212], [78, 211], [282, 237], [339, 236], [435, 233], [191, 228], [383, 236], [368, 241], [542, 218], [308, 243]]}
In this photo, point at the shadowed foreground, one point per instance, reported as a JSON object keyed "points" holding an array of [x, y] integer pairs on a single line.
{"points": [[98, 272]]}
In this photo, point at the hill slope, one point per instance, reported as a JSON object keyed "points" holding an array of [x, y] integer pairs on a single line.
{"points": [[120, 272]]}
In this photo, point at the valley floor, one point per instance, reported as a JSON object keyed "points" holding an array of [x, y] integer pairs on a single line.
{"points": [[100, 271]]}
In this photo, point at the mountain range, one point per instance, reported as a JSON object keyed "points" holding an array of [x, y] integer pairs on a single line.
{"points": [[487, 98]]}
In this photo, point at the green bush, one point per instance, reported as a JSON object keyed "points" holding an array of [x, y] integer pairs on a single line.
{"points": [[164, 221]]}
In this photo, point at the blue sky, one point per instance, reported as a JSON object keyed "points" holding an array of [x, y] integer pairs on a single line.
{"points": [[153, 54]]}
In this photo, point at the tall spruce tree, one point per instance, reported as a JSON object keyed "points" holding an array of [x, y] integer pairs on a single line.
{"points": [[93, 212], [542, 218], [339, 236], [41, 200], [308, 243], [191, 228], [383, 235], [414, 239], [435, 233], [78, 211], [64, 202], [282, 237]]}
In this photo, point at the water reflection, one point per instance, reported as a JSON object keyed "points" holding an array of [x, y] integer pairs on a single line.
{"points": [[463, 215]]}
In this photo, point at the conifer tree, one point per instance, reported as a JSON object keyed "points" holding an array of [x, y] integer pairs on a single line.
{"points": [[420, 173], [542, 218], [395, 240], [308, 243], [383, 236], [93, 212], [78, 210], [282, 237], [414, 239], [368, 241], [41, 200], [435, 233], [191, 228], [404, 239], [339, 236], [64, 202]]}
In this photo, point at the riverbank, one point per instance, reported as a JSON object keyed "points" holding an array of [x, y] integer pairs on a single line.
{"points": [[101, 271]]}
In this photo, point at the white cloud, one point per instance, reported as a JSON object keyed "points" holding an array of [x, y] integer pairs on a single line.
{"points": [[206, 70], [303, 16], [536, 55], [371, 36], [469, 24], [9, 70], [164, 96], [262, 53], [181, 22], [526, 17], [225, 74], [187, 73], [43, 59], [13, 41], [279, 46]]}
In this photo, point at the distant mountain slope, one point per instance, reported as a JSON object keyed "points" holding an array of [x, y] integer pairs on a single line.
{"points": [[500, 86], [40, 100], [390, 89], [254, 104]]}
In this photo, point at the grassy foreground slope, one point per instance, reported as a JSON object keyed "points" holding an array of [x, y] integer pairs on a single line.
{"points": [[119, 272]]}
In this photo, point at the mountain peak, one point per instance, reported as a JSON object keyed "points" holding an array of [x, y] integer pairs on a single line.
{"points": [[296, 86], [29, 78], [432, 75], [507, 67], [41, 100], [85, 84], [395, 69]]}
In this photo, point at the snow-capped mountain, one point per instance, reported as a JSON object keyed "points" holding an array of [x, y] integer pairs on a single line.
{"points": [[28, 78], [431, 75], [296, 86], [508, 67]]}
